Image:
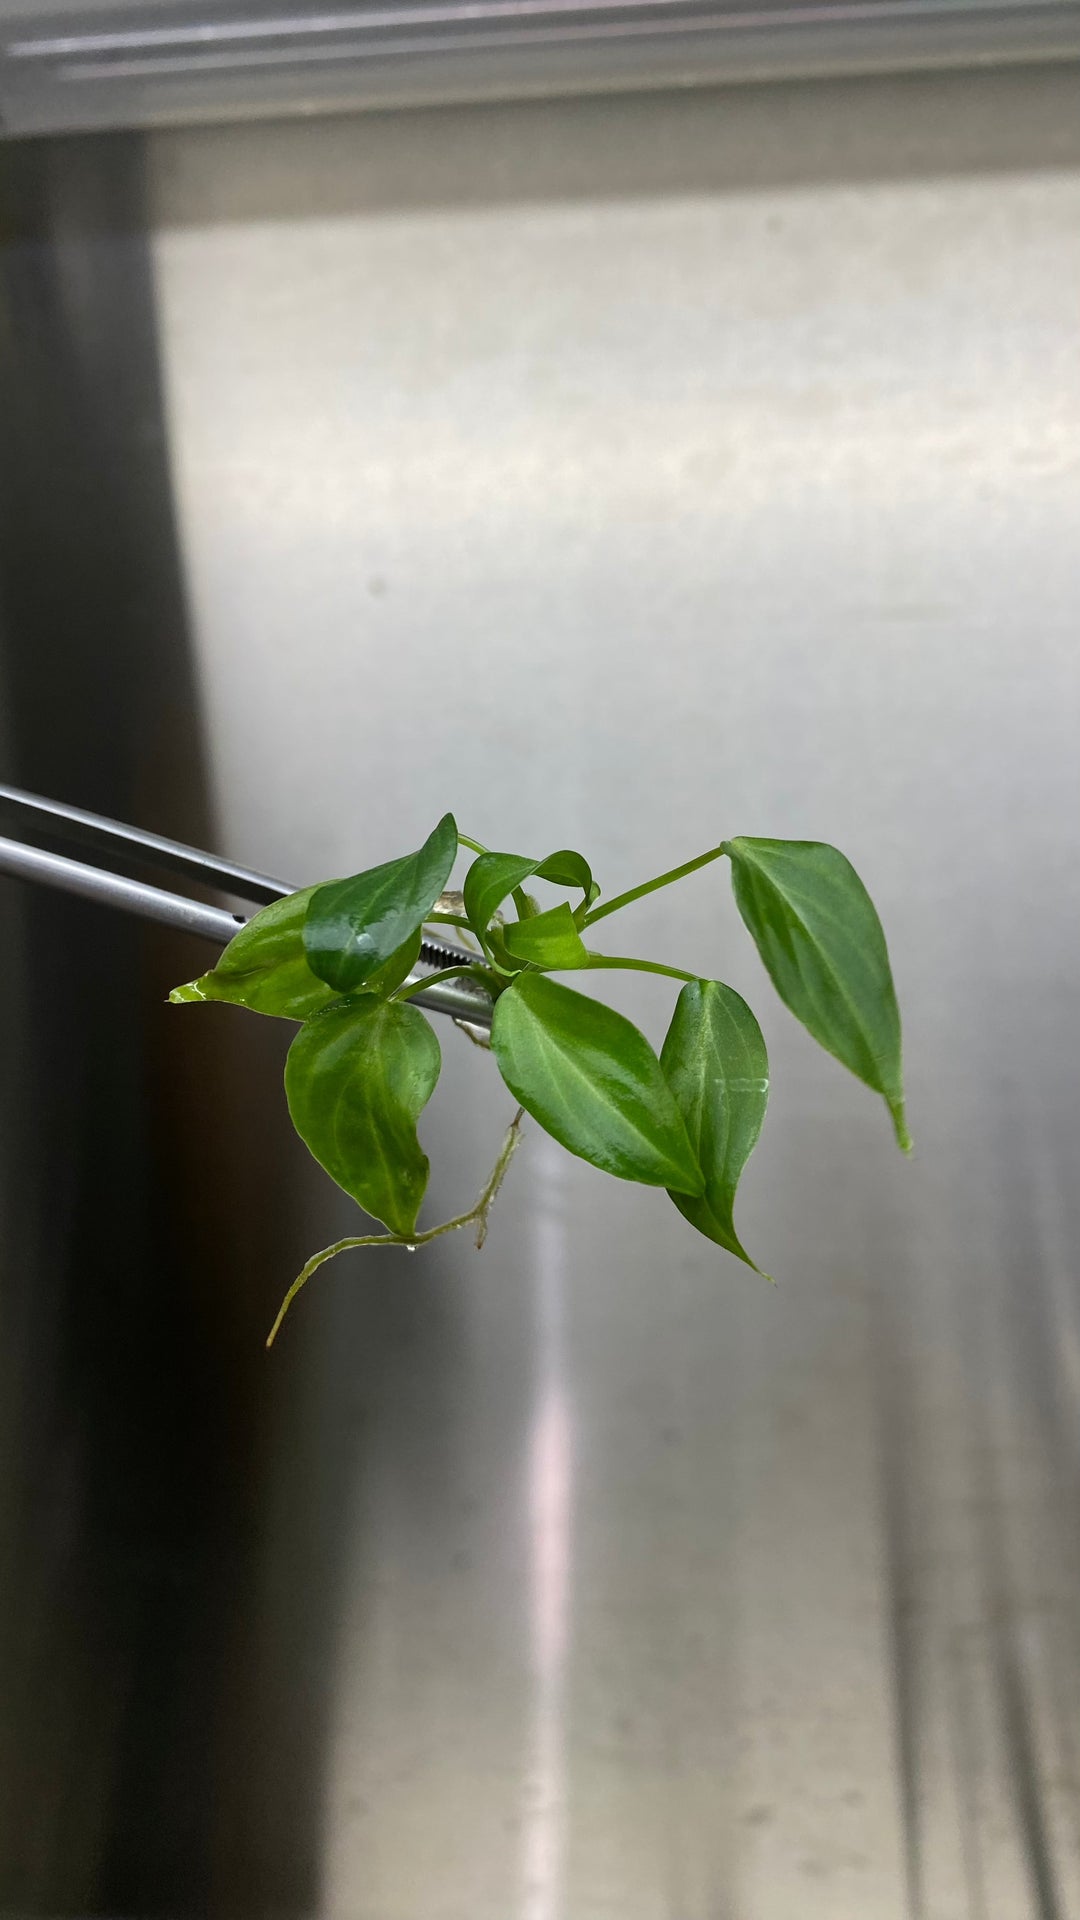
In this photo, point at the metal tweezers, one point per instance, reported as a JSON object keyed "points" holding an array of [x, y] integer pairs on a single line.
{"points": [[461, 999]]}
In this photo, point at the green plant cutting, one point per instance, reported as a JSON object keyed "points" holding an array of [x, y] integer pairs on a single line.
{"points": [[339, 959]]}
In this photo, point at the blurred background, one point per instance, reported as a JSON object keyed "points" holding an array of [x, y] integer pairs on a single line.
{"points": [[624, 463]]}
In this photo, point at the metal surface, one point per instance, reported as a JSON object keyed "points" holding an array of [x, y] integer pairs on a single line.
{"points": [[115, 890], [132, 842], [726, 445], [65, 66]]}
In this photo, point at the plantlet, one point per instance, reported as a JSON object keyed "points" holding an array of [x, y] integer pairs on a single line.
{"points": [[338, 959]]}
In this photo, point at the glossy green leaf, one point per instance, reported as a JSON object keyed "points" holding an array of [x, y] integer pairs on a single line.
{"points": [[593, 1081], [264, 967], [489, 881], [397, 968], [494, 876], [715, 1063], [500, 953], [354, 926], [819, 935], [566, 869], [550, 940], [356, 1079]]}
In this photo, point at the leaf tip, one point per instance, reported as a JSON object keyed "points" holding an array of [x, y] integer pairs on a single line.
{"points": [[900, 1126], [191, 991], [735, 1246]]}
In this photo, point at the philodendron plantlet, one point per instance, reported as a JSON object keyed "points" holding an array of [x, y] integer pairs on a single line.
{"points": [[338, 959]]}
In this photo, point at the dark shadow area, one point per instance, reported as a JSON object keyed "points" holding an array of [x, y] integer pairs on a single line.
{"points": [[743, 139], [137, 1414]]}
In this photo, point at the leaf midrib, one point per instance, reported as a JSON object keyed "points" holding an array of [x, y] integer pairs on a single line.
{"points": [[552, 1048], [798, 914]]}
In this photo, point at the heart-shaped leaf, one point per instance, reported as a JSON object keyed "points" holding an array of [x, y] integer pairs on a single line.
{"points": [[715, 1063], [548, 940], [356, 1079], [818, 933], [354, 926], [494, 876], [593, 1081], [264, 967]]}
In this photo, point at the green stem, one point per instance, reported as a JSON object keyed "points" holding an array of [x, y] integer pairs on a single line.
{"points": [[474, 846], [477, 1215], [650, 886], [410, 987], [640, 966]]}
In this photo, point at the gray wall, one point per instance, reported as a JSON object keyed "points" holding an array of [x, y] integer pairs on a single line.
{"points": [[626, 474]]}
